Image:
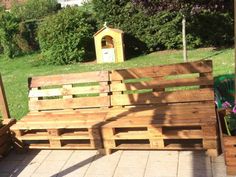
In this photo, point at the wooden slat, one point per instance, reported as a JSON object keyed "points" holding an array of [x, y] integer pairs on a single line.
{"points": [[72, 103], [41, 81], [117, 87], [54, 125], [167, 110], [3, 102], [165, 70], [69, 116], [68, 91], [163, 97]]}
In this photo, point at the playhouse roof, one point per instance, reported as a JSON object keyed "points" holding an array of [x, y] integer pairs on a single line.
{"points": [[108, 28]]}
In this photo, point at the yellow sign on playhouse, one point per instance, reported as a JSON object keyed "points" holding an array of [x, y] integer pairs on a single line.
{"points": [[109, 45]]}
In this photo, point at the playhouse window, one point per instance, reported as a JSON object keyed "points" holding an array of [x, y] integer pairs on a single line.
{"points": [[107, 42]]}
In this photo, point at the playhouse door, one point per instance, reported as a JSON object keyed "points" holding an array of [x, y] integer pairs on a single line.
{"points": [[108, 55]]}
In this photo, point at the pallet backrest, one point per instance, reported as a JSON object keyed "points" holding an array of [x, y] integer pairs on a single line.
{"points": [[176, 83], [69, 91]]}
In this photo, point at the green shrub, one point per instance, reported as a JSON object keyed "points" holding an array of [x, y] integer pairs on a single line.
{"points": [[33, 9], [213, 28], [26, 38], [163, 30], [65, 38], [8, 30]]}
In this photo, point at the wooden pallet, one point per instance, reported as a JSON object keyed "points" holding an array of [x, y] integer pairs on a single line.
{"points": [[58, 131], [57, 117], [230, 154], [178, 100], [228, 146], [5, 136], [139, 133]]}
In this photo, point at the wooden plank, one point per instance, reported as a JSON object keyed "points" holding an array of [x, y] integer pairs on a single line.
{"points": [[65, 117], [42, 81], [3, 101], [54, 125], [165, 70], [134, 123], [68, 91], [73, 103], [163, 97], [161, 112], [202, 81]]}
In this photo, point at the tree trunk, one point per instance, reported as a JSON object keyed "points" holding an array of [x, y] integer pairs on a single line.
{"points": [[184, 39]]}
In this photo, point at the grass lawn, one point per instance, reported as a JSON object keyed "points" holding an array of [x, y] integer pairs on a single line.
{"points": [[15, 72]]}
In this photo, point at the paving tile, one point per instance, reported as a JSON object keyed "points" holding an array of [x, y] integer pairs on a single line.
{"points": [[23, 171], [219, 159], [194, 173], [129, 159], [162, 168], [5, 174], [42, 175], [129, 172], [194, 160], [59, 155], [104, 165], [163, 156], [218, 169], [50, 167], [13, 156], [8, 166], [78, 164]]}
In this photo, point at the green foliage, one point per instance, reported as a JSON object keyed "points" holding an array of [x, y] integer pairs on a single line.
{"points": [[8, 30], [26, 38], [33, 9], [212, 28], [66, 37], [163, 30]]}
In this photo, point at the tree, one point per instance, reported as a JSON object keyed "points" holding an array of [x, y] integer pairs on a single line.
{"points": [[32, 9], [186, 8], [67, 36]]}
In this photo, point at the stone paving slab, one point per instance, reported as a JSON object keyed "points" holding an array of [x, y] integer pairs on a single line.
{"points": [[74, 163]]}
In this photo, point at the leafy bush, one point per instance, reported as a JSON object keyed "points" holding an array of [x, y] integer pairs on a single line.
{"points": [[26, 38], [8, 30], [33, 9], [163, 30], [65, 38]]}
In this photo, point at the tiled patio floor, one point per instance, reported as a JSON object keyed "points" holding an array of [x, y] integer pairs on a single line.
{"points": [[58, 163]]}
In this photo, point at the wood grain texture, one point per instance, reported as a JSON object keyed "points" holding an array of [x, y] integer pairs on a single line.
{"points": [[3, 101], [165, 70], [42, 81], [70, 103], [163, 97]]}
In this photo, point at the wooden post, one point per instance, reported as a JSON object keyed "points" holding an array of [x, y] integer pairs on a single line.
{"points": [[3, 101], [184, 39]]}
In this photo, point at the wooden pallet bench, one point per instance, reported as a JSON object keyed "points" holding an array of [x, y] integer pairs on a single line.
{"points": [[57, 117], [162, 107]]}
